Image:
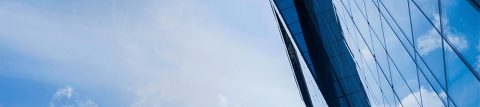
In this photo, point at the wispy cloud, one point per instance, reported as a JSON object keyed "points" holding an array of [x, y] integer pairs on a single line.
{"points": [[429, 98], [152, 53], [66, 97], [367, 55], [432, 41], [224, 102]]}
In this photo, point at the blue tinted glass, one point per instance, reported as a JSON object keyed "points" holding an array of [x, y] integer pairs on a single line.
{"points": [[282, 4], [289, 15], [295, 27]]}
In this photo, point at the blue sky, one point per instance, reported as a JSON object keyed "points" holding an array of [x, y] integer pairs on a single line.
{"points": [[142, 53], [177, 53]]}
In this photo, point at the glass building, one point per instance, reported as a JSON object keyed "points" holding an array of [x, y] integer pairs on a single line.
{"points": [[476, 4], [314, 28], [383, 52]]}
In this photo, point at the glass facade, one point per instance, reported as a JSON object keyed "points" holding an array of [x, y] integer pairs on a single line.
{"points": [[386, 52], [476, 4], [317, 34], [415, 52]]}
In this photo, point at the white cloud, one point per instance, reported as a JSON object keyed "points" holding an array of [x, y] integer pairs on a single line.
{"points": [[223, 101], [429, 98], [64, 92], [367, 55], [432, 41], [151, 53], [428, 43], [66, 97]]}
